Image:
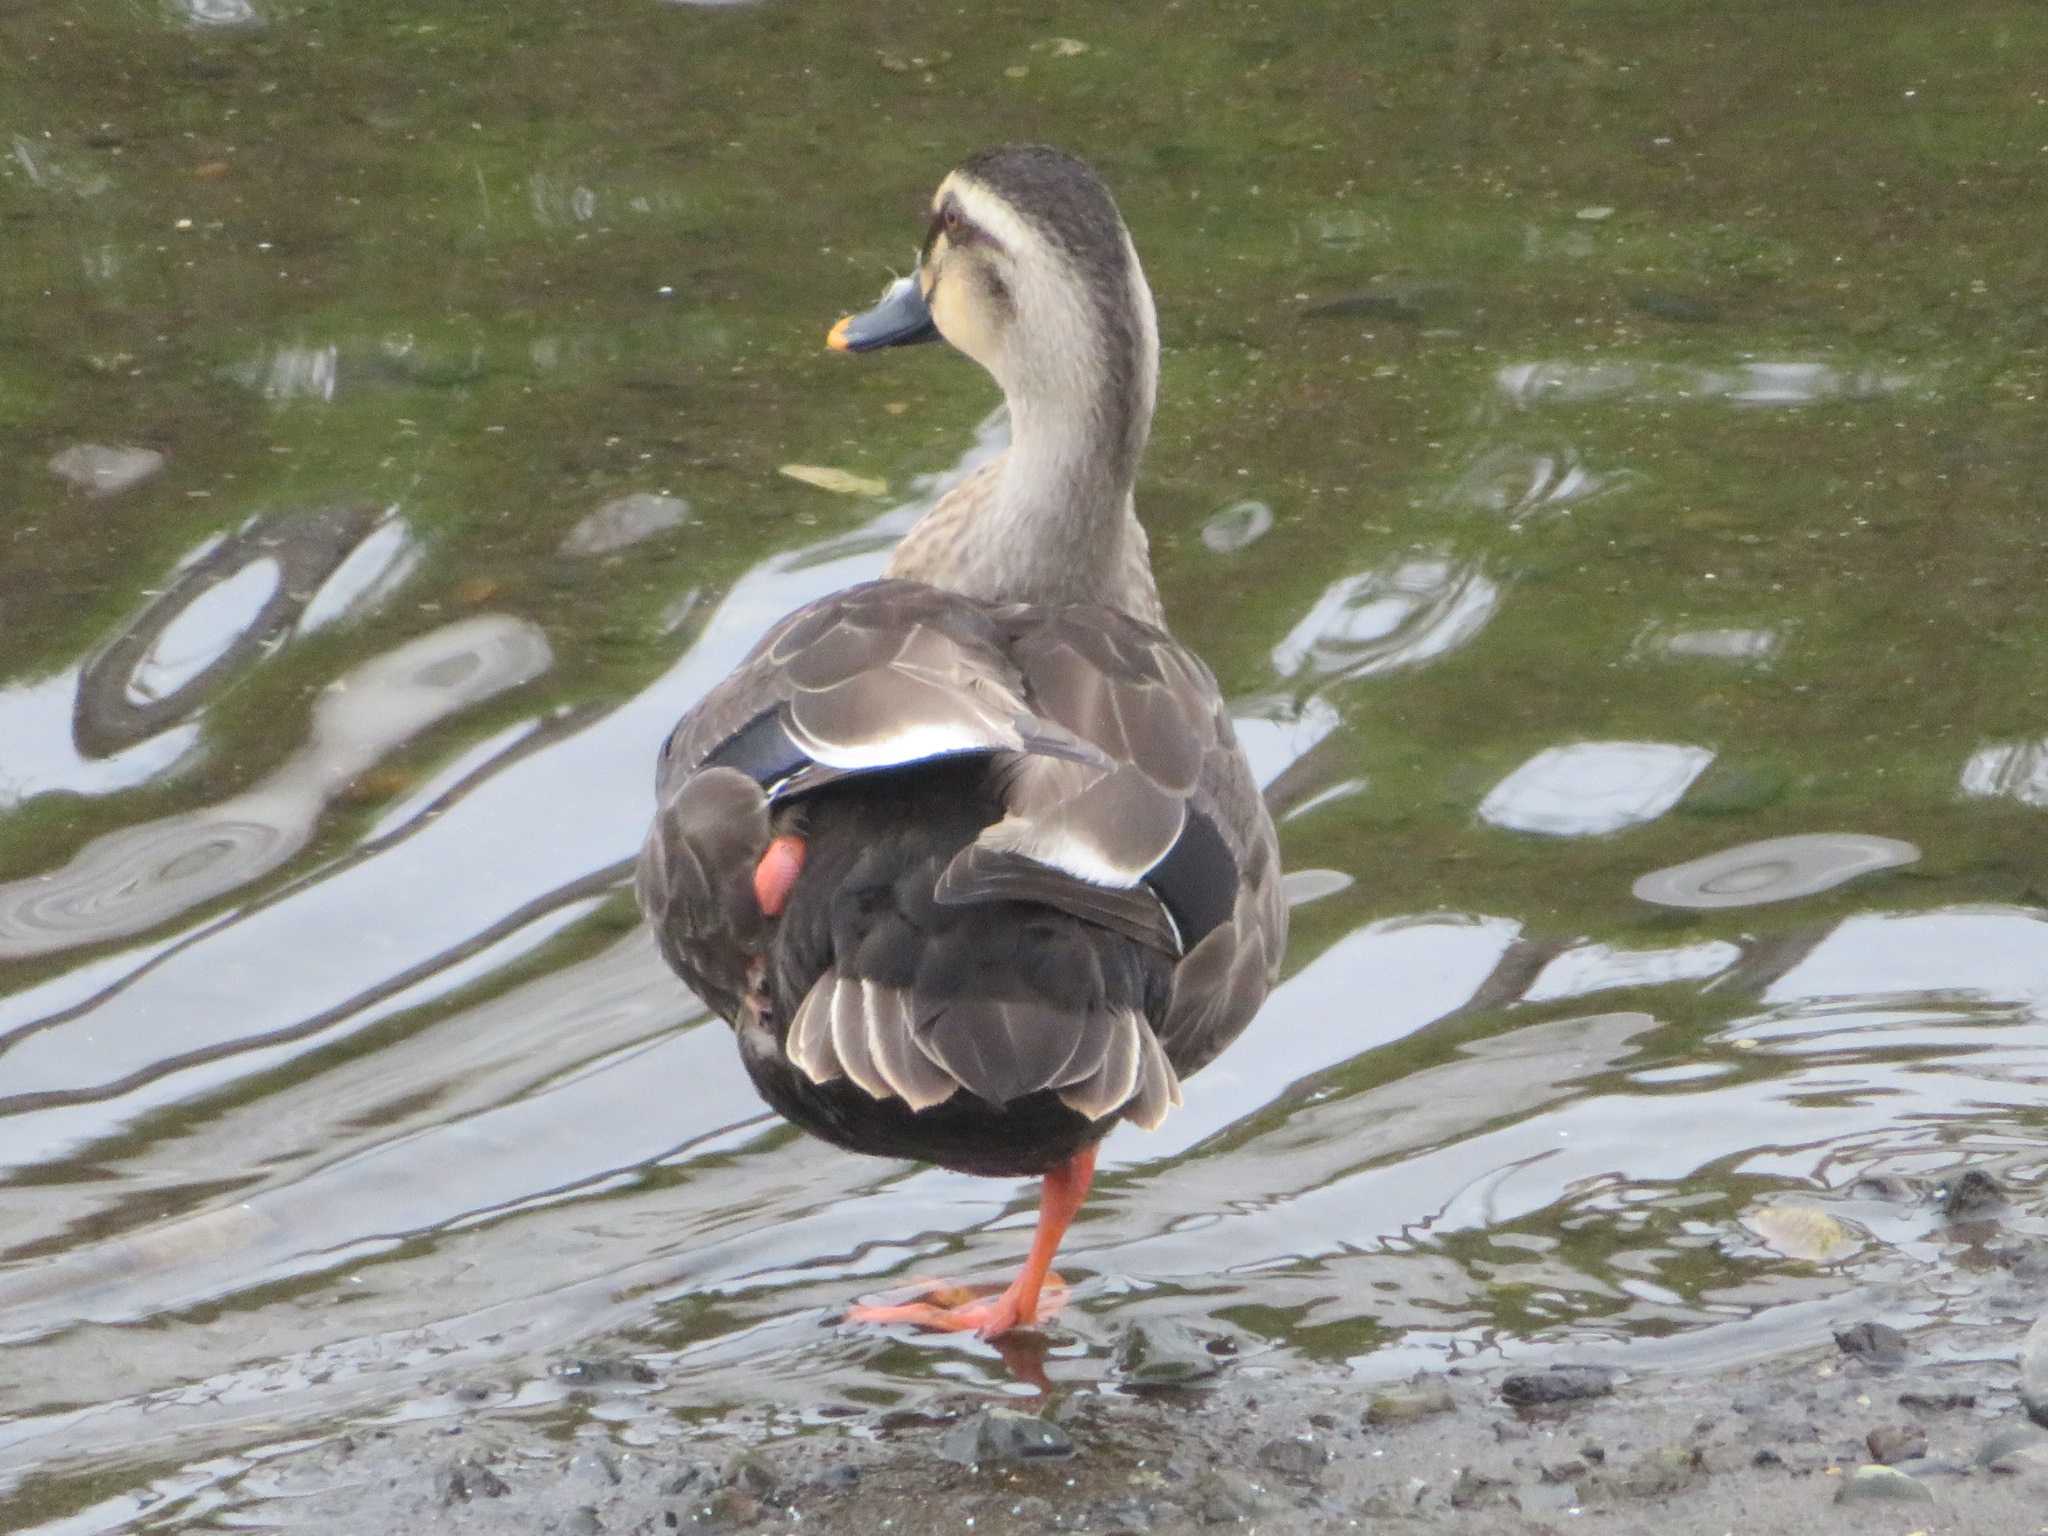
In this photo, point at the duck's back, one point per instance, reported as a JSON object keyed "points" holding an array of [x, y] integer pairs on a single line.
{"points": [[1039, 886]]}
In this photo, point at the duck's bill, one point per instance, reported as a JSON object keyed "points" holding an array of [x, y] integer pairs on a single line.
{"points": [[899, 318]]}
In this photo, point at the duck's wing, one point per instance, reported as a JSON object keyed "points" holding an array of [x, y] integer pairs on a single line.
{"points": [[1177, 812], [877, 677]]}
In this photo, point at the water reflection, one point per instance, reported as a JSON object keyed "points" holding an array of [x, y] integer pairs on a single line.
{"points": [[230, 600], [1788, 383], [1237, 526], [99, 470], [1752, 647], [292, 373], [1600, 967], [2016, 770], [1593, 787], [1777, 869], [1519, 484], [1405, 613], [624, 522], [132, 880]]}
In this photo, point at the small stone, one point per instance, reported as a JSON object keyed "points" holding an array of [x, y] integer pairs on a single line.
{"points": [[594, 1467], [1569, 1471], [1221, 1497], [1896, 1442], [99, 470], [1878, 1343], [837, 1479], [1937, 1402], [1404, 1405], [1474, 1490], [1002, 1434], [1884, 1483], [583, 1522], [2034, 1372], [1972, 1196], [1164, 1354], [748, 1473], [626, 521], [1660, 1473], [1767, 1458], [600, 1370], [1292, 1457], [1559, 1384]]}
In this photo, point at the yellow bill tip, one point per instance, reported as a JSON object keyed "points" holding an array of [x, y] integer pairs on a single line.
{"points": [[836, 337]]}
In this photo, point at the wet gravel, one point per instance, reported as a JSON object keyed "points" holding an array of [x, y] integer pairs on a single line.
{"points": [[1928, 1439]]}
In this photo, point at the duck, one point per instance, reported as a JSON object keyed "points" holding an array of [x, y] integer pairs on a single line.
{"points": [[969, 856]]}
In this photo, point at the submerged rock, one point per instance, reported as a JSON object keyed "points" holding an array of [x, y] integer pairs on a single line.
{"points": [[1404, 1405], [1559, 1384], [1879, 1343], [1000, 1434], [1883, 1484], [1896, 1442], [1165, 1354]]}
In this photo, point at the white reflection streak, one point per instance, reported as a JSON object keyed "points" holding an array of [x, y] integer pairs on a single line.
{"points": [[35, 722]]}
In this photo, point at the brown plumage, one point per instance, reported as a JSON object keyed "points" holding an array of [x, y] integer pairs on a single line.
{"points": [[1038, 886]]}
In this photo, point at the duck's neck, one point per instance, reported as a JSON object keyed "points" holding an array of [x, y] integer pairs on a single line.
{"points": [[1055, 523], [1062, 509]]}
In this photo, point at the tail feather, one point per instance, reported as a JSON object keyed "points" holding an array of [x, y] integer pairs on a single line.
{"points": [[910, 997]]}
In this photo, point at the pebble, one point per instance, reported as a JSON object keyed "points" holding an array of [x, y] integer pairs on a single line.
{"points": [[1882, 1483], [1473, 1490], [1559, 1384], [1879, 1343], [747, 1472], [1935, 1402], [1164, 1354], [624, 522], [1002, 1434], [1896, 1442], [99, 470], [2034, 1372], [1660, 1473], [1404, 1405], [469, 1478], [1221, 1497], [1294, 1457]]}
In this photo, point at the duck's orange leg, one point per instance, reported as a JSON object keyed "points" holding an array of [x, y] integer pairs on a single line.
{"points": [[1018, 1307]]}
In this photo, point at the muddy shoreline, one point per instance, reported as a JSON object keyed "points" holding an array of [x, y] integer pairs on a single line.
{"points": [[1779, 1446]]}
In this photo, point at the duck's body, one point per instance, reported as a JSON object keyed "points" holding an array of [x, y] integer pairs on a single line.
{"points": [[969, 856]]}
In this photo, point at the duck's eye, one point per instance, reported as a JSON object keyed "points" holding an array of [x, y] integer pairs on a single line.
{"points": [[951, 220]]}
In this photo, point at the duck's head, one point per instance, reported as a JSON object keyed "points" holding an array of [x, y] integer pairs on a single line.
{"points": [[1028, 269]]}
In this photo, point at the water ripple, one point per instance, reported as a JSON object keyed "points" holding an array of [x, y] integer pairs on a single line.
{"points": [[132, 880], [1403, 614]]}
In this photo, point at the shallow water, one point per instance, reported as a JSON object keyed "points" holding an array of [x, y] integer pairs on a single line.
{"points": [[1598, 453]]}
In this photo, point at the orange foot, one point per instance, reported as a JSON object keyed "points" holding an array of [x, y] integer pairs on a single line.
{"points": [[951, 1307], [956, 1309]]}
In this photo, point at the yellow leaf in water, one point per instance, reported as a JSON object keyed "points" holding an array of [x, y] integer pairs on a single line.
{"points": [[1802, 1232], [843, 482]]}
